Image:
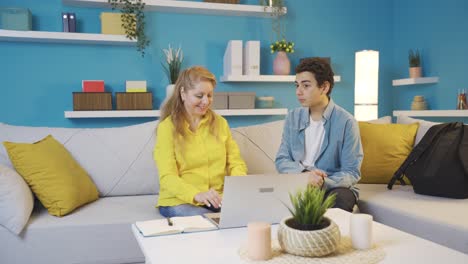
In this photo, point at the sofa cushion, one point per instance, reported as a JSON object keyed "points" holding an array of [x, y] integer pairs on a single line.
{"points": [[258, 145], [58, 181], [16, 200], [99, 232], [423, 126], [442, 220], [385, 146], [119, 160]]}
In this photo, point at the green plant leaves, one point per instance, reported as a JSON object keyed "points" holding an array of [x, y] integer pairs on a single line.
{"points": [[133, 21], [309, 205]]}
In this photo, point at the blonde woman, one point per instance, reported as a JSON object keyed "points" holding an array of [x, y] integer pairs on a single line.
{"points": [[194, 148]]}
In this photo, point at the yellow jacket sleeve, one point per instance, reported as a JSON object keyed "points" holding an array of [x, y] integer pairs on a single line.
{"points": [[164, 154], [234, 162]]}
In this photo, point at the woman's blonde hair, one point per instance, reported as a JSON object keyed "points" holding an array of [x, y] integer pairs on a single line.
{"points": [[174, 106]]}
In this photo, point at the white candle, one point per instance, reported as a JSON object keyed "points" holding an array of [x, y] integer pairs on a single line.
{"points": [[360, 229], [259, 241]]}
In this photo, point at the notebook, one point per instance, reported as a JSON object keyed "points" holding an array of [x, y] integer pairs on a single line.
{"points": [[174, 225], [256, 198]]}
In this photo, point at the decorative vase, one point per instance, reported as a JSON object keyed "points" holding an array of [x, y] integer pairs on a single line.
{"points": [[415, 72], [313, 243], [281, 64], [169, 91], [419, 103]]}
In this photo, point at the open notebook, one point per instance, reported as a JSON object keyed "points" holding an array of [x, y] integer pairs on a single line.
{"points": [[174, 225]]}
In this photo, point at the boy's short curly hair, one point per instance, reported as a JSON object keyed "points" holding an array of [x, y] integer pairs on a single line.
{"points": [[320, 68]]}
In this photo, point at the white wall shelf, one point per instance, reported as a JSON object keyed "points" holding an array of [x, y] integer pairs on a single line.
{"points": [[63, 37], [189, 7], [412, 81], [265, 78], [432, 113], [157, 113]]}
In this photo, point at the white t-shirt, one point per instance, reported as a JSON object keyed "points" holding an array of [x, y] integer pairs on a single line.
{"points": [[314, 135]]}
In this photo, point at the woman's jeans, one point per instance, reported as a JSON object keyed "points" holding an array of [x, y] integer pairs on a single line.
{"points": [[183, 210]]}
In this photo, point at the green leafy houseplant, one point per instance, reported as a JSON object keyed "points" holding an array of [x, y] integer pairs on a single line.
{"points": [[308, 208], [172, 63], [278, 27], [133, 21], [414, 58]]}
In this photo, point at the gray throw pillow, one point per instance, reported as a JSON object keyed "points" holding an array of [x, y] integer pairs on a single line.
{"points": [[16, 200]]}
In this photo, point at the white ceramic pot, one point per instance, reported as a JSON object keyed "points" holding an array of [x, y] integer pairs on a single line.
{"points": [[169, 90], [314, 243]]}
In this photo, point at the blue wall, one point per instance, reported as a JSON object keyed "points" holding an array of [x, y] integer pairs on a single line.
{"points": [[37, 80], [439, 30]]}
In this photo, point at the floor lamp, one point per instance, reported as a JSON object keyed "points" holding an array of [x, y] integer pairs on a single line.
{"points": [[366, 90]]}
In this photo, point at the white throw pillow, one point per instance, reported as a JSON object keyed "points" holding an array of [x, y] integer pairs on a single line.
{"points": [[423, 126], [119, 160], [16, 200]]}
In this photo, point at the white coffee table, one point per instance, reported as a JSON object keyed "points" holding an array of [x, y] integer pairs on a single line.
{"points": [[221, 246]]}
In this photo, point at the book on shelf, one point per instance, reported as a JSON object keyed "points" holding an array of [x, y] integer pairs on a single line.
{"points": [[174, 225], [232, 60], [252, 58]]}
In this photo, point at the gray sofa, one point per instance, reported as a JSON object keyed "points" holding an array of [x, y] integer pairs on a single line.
{"points": [[120, 162]]}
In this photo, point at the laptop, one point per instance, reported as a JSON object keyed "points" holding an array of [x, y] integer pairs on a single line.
{"points": [[256, 198]]}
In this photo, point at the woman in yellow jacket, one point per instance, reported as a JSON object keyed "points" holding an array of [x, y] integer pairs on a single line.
{"points": [[194, 148]]}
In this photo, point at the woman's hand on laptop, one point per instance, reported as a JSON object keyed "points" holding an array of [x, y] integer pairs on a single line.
{"points": [[316, 177], [209, 198]]}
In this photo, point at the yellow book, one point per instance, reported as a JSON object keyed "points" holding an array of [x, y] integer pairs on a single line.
{"points": [[111, 24], [174, 225], [136, 90]]}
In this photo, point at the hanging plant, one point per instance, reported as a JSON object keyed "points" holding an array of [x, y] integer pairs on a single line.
{"points": [[133, 21], [279, 42]]}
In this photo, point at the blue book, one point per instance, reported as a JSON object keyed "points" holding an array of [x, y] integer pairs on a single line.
{"points": [[65, 20], [72, 22]]}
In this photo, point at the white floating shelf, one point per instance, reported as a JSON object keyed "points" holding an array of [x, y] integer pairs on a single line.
{"points": [[432, 113], [190, 7], [157, 113], [63, 37], [411, 81], [265, 78]]}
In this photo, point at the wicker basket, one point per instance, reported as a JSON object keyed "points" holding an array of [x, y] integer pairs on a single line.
{"points": [[314, 243], [223, 1]]}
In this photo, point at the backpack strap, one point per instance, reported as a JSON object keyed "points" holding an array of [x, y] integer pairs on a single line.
{"points": [[433, 133], [463, 148]]}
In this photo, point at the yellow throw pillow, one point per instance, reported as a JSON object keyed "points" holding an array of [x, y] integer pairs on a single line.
{"points": [[386, 146], [57, 180]]}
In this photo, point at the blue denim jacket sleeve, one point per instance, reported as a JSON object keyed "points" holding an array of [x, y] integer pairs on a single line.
{"points": [[351, 159], [284, 161]]}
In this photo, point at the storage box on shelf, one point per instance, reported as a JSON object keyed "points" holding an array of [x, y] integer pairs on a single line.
{"points": [[134, 101], [92, 101]]}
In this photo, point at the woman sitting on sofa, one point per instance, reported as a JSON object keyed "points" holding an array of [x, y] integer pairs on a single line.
{"points": [[194, 148]]}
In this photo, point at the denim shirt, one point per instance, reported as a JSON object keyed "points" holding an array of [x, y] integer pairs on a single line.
{"points": [[341, 152]]}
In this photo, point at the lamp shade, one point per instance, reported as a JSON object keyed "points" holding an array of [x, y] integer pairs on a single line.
{"points": [[366, 89]]}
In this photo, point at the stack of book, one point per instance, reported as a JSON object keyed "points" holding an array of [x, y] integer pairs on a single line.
{"points": [[92, 97], [136, 97]]}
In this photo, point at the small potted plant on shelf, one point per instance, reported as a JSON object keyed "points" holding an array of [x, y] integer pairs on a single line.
{"points": [[133, 21], [281, 63], [414, 59], [172, 64], [308, 232]]}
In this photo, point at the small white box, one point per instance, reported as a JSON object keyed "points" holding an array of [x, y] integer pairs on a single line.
{"points": [[252, 58]]}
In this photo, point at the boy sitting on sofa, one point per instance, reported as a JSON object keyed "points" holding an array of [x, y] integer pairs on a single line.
{"points": [[321, 138]]}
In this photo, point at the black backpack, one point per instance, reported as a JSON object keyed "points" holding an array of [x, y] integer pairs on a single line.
{"points": [[438, 165]]}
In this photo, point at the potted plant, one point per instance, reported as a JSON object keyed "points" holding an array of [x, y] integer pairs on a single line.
{"points": [[308, 232], [281, 63], [133, 21], [172, 64], [414, 63]]}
